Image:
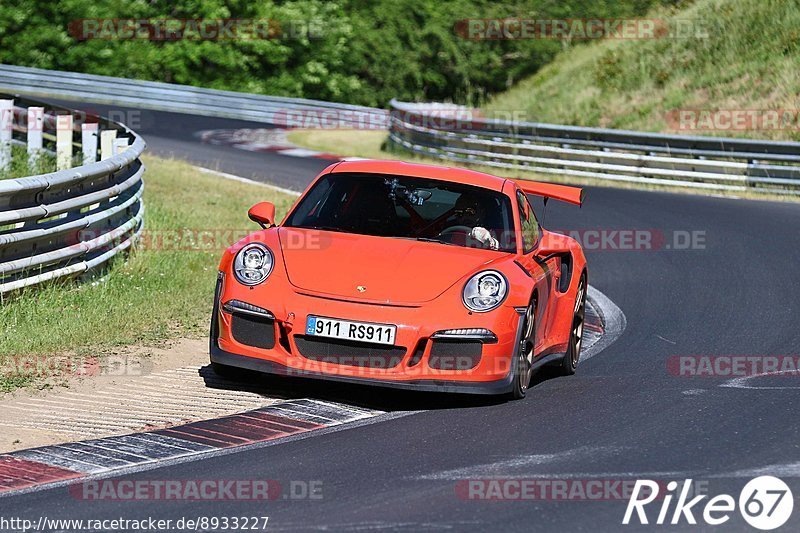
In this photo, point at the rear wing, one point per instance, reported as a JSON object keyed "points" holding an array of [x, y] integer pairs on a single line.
{"points": [[565, 193]]}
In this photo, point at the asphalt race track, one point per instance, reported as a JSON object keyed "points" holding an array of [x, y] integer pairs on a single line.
{"points": [[623, 416], [172, 135]]}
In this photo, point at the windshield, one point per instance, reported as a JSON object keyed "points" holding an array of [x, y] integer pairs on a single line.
{"points": [[406, 207]]}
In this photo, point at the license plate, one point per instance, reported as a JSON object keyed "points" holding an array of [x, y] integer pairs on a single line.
{"points": [[351, 330]]}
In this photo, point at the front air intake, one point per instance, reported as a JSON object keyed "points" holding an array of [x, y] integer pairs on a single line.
{"points": [[455, 354], [349, 353]]}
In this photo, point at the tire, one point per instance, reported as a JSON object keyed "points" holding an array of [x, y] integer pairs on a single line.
{"points": [[570, 362], [524, 356]]}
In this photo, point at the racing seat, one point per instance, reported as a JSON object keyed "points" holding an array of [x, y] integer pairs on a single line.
{"points": [[371, 211]]}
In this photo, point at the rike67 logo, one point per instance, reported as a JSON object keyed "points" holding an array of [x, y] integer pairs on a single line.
{"points": [[765, 503]]}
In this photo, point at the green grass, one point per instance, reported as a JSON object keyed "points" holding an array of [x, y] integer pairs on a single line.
{"points": [[749, 59], [157, 294], [11, 381], [355, 143], [20, 167]]}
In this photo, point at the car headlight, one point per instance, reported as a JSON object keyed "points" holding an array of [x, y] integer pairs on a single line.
{"points": [[253, 264], [485, 291]]}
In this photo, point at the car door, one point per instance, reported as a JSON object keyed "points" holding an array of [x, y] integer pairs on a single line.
{"points": [[543, 272]]}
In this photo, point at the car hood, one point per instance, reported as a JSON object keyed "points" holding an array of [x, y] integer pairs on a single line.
{"points": [[387, 270]]}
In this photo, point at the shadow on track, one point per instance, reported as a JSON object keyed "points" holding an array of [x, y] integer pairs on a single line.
{"points": [[370, 397]]}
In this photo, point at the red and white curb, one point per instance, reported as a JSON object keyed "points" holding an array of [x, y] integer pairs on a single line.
{"points": [[604, 323], [27, 469], [262, 140], [593, 327], [162, 399]]}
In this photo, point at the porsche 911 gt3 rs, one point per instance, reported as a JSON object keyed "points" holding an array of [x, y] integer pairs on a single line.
{"points": [[404, 275]]}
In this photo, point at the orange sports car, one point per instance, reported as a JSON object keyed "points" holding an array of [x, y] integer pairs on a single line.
{"points": [[404, 275]]}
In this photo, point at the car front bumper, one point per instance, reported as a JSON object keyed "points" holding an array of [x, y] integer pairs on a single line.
{"points": [[497, 387], [286, 353]]}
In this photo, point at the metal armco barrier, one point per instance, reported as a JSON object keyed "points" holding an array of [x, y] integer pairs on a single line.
{"points": [[289, 112], [445, 132], [74, 220]]}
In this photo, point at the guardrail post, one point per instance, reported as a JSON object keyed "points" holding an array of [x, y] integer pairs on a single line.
{"points": [[63, 142], [120, 145], [6, 129], [107, 138], [35, 131], [89, 143], [103, 199]]}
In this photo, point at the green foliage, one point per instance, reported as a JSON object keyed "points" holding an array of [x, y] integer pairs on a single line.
{"points": [[20, 166], [742, 55], [357, 51]]}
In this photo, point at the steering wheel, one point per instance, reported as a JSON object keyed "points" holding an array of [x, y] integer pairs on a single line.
{"points": [[455, 229]]}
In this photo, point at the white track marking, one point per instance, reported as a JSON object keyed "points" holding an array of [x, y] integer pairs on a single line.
{"points": [[246, 180], [742, 382], [515, 467], [779, 470]]}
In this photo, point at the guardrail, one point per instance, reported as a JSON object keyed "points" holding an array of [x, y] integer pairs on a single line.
{"points": [[614, 155], [74, 220], [292, 112]]}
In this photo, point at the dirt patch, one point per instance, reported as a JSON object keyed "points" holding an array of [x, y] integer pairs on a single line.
{"points": [[93, 377]]}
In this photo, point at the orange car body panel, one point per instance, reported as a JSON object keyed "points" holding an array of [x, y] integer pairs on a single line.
{"points": [[414, 285], [565, 193]]}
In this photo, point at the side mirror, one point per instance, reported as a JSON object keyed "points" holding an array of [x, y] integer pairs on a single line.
{"points": [[263, 213]]}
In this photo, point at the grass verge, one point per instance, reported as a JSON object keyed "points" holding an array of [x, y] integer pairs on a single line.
{"points": [[736, 55], [371, 144], [164, 290], [20, 166]]}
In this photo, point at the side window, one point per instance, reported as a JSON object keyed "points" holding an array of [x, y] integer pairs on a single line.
{"points": [[528, 223]]}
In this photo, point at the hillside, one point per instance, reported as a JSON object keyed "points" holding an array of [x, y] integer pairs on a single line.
{"points": [[738, 75]]}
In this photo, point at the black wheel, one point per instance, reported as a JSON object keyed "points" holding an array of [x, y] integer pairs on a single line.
{"points": [[570, 362], [523, 362]]}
